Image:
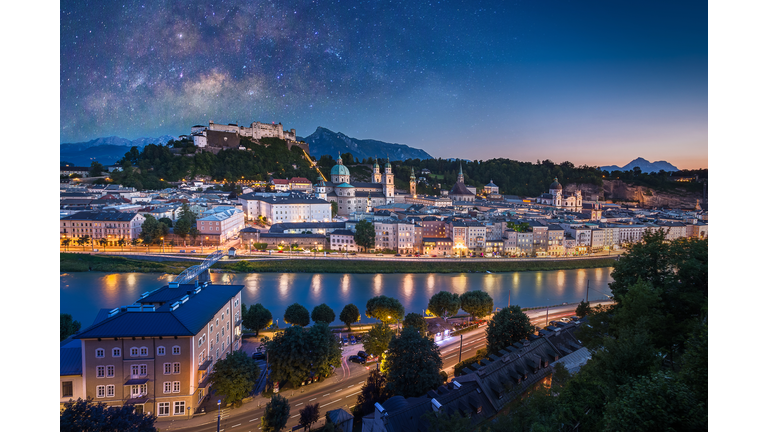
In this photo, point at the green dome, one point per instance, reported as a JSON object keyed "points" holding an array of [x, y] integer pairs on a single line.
{"points": [[344, 185], [339, 170]]}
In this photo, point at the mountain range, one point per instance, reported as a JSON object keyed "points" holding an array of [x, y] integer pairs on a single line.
{"points": [[644, 165], [327, 142], [106, 150]]}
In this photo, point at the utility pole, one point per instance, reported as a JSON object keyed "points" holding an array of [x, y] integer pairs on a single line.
{"points": [[461, 345]]}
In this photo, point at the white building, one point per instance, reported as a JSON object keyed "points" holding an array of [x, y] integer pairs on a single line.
{"points": [[220, 224], [292, 207]]}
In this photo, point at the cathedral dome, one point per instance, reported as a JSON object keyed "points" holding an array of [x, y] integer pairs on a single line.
{"points": [[556, 185], [339, 170]]}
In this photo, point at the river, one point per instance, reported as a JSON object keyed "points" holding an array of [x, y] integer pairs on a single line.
{"points": [[83, 294]]}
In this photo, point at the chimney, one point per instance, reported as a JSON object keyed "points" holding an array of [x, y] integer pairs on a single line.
{"points": [[436, 405]]}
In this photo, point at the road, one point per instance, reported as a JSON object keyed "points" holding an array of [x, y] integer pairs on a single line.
{"points": [[338, 391]]}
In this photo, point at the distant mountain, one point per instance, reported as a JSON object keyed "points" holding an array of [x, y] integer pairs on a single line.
{"points": [[106, 150], [645, 166], [327, 142]]}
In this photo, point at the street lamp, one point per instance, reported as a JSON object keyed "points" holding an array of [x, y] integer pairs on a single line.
{"points": [[218, 422], [163, 239]]}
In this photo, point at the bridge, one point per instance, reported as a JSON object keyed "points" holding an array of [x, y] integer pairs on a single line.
{"points": [[192, 272]]}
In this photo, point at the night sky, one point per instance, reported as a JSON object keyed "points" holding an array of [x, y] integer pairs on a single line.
{"points": [[592, 82]]}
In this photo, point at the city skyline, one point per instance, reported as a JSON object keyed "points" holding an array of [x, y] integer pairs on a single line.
{"points": [[596, 85]]}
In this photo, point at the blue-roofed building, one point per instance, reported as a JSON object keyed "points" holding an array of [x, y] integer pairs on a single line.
{"points": [[70, 371], [156, 354]]}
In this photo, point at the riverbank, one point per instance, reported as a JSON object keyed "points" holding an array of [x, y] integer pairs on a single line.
{"points": [[116, 264]]}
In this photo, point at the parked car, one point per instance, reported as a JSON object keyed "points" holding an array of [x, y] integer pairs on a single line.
{"points": [[352, 340], [565, 320], [409, 255], [345, 340], [259, 356], [356, 359], [398, 255], [362, 354]]}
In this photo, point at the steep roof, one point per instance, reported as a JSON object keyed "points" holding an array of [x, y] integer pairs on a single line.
{"points": [[460, 189]]}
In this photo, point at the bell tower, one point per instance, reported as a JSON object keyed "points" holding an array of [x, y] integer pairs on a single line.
{"points": [[376, 176], [413, 183], [389, 183]]}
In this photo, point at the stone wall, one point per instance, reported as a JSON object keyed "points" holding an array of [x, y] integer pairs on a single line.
{"points": [[618, 191]]}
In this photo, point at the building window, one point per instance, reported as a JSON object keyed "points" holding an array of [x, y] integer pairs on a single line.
{"points": [[100, 391], [110, 391], [66, 389], [110, 371], [227, 312], [211, 328], [167, 387], [177, 386], [200, 395], [163, 408], [217, 354], [144, 351], [176, 350], [135, 370], [178, 408], [160, 350], [134, 352], [217, 338], [217, 322], [177, 368], [99, 371], [143, 370], [115, 352], [100, 353], [166, 368]]}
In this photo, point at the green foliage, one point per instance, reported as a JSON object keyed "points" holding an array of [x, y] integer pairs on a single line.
{"points": [[477, 303], [349, 315], [309, 415], [235, 376], [87, 415], [412, 364], [297, 352], [155, 165], [257, 317], [167, 221], [365, 234], [444, 304], [276, 414], [67, 326], [655, 402], [96, 169], [152, 230], [693, 371], [297, 314], [374, 390], [376, 341], [507, 326], [385, 309], [519, 227], [416, 321], [442, 422], [323, 313], [583, 309], [334, 208]]}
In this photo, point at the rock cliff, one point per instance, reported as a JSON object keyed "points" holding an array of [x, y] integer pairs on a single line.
{"points": [[618, 191]]}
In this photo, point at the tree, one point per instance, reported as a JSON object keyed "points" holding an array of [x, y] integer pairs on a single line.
{"points": [[67, 326], [96, 169], [309, 415], [334, 209], [276, 414], [477, 303], [507, 326], [365, 234], [87, 415], [444, 304], [442, 422], [416, 321], [377, 339], [583, 309], [385, 309], [297, 314], [122, 242], [235, 376], [349, 315], [655, 402], [167, 221], [323, 313], [182, 228], [413, 364], [297, 352], [257, 317], [373, 391], [66, 242]]}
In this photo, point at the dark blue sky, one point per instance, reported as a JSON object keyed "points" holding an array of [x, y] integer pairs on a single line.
{"points": [[592, 82]]}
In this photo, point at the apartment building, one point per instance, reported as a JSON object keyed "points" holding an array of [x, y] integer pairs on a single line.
{"points": [[386, 235], [343, 240], [110, 225], [295, 207], [220, 224], [158, 353], [555, 239]]}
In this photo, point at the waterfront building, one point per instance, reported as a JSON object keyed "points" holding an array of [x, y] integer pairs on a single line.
{"points": [[278, 208], [109, 225], [157, 354], [220, 224]]}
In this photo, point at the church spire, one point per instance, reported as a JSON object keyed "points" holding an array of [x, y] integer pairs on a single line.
{"points": [[461, 175]]}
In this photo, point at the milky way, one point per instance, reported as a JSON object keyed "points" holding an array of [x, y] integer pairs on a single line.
{"points": [[134, 68]]}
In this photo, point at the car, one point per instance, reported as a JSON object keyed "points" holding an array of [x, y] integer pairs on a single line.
{"points": [[353, 253], [409, 255], [345, 341], [398, 255], [362, 354], [356, 359], [434, 256], [565, 320], [352, 340], [379, 254], [259, 356]]}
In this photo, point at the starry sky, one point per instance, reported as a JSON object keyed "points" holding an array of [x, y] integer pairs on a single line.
{"points": [[591, 82]]}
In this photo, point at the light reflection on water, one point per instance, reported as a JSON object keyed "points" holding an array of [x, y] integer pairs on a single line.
{"points": [[83, 294]]}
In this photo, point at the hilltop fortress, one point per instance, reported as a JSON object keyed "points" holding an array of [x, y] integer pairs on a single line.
{"points": [[220, 136]]}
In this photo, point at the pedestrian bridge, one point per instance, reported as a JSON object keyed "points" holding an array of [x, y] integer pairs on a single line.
{"points": [[191, 273]]}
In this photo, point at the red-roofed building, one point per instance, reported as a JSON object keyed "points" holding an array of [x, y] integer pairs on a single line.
{"points": [[281, 185], [301, 184]]}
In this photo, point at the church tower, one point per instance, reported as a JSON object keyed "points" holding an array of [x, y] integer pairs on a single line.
{"points": [[413, 183], [339, 173], [556, 190], [389, 183], [376, 175], [368, 206], [461, 175]]}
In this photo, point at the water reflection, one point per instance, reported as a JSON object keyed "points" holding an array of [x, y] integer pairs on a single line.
{"points": [[459, 283], [377, 284], [408, 287], [316, 288], [283, 286]]}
